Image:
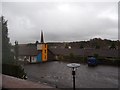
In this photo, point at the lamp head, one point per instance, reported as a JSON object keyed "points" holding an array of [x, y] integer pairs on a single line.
{"points": [[73, 65]]}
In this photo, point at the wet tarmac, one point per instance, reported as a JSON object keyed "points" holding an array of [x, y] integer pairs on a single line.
{"points": [[58, 74]]}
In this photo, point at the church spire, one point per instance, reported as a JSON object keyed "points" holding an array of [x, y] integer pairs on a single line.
{"points": [[42, 39]]}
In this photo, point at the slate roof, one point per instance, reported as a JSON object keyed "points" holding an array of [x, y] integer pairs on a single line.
{"points": [[31, 49], [86, 52], [27, 49]]}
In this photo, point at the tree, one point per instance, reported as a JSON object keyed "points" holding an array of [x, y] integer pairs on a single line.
{"points": [[36, 43], [71, 55], [9, 67], [96, 55], [113, 46], [7, 55], [66, 45], [81, 46], [97, 46]]}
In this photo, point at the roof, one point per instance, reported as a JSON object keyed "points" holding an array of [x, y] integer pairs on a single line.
{"points": [[65, 51], [86, 52], [31, 49], [27, 49]]}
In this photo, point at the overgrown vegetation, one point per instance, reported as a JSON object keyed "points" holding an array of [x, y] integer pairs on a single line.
{"points": [[9, 65], [14, 70], [7, 55]]}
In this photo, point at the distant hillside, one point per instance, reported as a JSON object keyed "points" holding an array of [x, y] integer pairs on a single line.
{"points": [[96, 43]]}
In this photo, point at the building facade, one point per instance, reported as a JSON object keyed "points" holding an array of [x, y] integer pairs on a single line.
{"points": [[37, 52]]}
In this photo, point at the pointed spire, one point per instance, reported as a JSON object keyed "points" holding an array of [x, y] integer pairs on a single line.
{"points": [[42, 39]]}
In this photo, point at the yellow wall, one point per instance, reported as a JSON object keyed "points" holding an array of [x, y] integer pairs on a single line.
{"points": [[44, 52]]}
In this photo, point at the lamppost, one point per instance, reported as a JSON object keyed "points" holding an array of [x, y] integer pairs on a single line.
{"points": [[74, 66]]}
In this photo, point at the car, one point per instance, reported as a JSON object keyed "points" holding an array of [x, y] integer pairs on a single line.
{"points": [[92, 61]]}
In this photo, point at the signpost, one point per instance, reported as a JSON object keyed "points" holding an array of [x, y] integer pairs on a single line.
{"points": [[74, 66]]}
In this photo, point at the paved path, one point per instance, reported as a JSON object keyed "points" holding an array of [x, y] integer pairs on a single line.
{"points": [[57, 73], [12, 82]]}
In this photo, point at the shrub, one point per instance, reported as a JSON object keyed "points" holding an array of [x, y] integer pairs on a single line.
{"points": [[13, 70]]}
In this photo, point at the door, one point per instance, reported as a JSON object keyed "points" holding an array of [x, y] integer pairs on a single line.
{"points": [[39, 57]]}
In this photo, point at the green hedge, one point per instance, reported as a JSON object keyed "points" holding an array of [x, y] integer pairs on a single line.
{"points": [[101, 60], [13, 70], [78, 59]]}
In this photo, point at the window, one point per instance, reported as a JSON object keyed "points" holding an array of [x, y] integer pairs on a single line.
{"points": [[45, 51], [45, 56], [45, 45]]}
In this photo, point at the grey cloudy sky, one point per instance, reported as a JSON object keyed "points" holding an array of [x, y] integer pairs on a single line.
{"points": [[61, 21]]}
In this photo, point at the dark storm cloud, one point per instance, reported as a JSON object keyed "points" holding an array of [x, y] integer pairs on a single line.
{"points": [[61, 21]]}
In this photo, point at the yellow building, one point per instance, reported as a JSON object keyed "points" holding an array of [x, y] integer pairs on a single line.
{"points": [[42, 50]]}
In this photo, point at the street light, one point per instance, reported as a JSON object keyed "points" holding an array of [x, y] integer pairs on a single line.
{"points": [[74, 66]]}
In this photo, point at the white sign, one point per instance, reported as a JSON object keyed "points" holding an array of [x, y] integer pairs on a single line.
{"points": [[39, 46]]}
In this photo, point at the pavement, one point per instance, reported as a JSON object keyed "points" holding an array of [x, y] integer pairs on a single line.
{"points": [[12, 82], [58, 74]]}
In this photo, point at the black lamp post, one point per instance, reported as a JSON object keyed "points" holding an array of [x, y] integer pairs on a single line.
{"points": [[74, 66]]}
